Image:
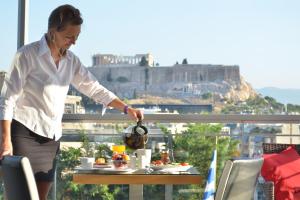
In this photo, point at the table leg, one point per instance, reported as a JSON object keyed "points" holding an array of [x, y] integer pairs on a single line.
{"points": [[168, 192], [136, 192]]}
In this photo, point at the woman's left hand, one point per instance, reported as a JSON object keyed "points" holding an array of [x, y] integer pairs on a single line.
{"points": [[135, 114]]}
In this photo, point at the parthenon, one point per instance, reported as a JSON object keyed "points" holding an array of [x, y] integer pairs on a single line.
{"points": [[117, 60]]}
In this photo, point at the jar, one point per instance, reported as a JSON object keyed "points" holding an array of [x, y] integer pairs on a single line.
{"points": [[164, 157]]}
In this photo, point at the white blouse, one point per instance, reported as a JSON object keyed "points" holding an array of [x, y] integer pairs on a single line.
{"points": [[35, 89]]}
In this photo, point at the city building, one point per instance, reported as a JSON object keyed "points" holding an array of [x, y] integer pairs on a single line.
{"points": [[73, 105], [289, 130]]}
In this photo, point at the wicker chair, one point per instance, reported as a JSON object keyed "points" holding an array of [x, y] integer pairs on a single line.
{"points": [[277, 148], [268, 148]]}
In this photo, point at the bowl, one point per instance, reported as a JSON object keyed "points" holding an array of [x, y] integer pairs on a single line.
{"points": [[120, 164], [87, 162]]}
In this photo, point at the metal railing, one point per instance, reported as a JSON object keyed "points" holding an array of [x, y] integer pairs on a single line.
{"points": [[188, 118], [185, 118]]}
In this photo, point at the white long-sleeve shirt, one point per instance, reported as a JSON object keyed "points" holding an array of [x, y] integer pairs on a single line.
{"points": [[35, 89]]}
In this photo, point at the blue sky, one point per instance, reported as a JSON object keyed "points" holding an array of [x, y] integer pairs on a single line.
{"points": [[262, 37]]}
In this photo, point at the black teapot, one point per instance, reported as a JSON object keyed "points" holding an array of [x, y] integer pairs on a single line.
{"points": [[135, 137]]}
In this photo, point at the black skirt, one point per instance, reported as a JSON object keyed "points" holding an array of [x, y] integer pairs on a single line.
{"points": [[41, 151]]}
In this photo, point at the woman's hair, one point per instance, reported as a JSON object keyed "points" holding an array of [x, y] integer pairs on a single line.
{"points": [[64, 15]]}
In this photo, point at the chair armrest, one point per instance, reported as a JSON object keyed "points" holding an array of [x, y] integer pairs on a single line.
{"points": [[268, 190]]}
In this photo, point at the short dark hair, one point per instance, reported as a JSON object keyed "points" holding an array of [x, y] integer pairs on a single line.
{"points": [[64, 15]]}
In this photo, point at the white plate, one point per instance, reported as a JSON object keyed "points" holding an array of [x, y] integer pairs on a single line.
{"points": [[102, 166], [174, 167], [104, 170]]}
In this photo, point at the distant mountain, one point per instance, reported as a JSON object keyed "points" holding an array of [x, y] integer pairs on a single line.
{"points": [[282, 95]]}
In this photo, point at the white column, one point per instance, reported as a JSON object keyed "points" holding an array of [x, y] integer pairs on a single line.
{"points": [[135, 192]]}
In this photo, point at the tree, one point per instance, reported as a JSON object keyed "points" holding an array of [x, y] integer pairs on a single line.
{"points": [[293, 108], [143, 61], [207, 95], [122, 79], [109, 76], [184, 61], [199, 142], [68, 160], [134, 95]]}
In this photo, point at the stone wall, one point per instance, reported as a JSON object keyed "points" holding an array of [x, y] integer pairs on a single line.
{"points": [[177, 80]]}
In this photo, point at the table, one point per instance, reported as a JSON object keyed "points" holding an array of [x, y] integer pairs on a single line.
{"points": [[137, 179]]}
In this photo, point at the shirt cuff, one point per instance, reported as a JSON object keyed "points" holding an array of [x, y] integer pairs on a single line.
{"points": [[5, 115]]}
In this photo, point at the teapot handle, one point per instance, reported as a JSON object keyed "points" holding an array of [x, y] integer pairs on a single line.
{"points": [[139, 124]]}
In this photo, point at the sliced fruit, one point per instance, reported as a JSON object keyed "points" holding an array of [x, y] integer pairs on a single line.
{"points": [[184, 164]]}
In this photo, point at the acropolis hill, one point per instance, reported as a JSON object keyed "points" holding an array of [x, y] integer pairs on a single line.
{"points": [[178, 81]]}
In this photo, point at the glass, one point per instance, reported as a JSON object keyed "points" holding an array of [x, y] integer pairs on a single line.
{"points": [[118, 148]]}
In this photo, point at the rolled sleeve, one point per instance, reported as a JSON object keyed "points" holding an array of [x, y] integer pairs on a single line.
{"points": [[87, 84], [12, 86], [104, 97], [6, 109]]}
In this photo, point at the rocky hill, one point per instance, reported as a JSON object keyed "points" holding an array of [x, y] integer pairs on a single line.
{"points": [[179, 83]]}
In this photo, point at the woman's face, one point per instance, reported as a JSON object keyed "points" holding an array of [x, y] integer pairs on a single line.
{"points": [[64, 39]]}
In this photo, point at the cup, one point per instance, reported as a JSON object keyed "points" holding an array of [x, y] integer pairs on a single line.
{"points": [[87, 162], [142, 162], [147, 156], [132, 162]]}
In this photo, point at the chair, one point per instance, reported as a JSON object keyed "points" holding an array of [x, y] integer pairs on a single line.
{"points": [[277, 148], [268, 148], [19, 182], [239, 179]]}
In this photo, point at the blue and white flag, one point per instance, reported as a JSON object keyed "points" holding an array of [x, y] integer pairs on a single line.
{"points": [[210, 189]]}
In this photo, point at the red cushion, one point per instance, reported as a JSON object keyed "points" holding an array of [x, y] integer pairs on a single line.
{"points": [[272, 161], [289, 174], [287, 178], [284, 170]]}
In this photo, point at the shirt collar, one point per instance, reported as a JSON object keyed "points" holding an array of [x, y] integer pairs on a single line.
{"points": [[44, 48]]}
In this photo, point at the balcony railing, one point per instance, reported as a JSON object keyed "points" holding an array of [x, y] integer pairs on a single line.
{"points": [[186, 118], [242, 120]]}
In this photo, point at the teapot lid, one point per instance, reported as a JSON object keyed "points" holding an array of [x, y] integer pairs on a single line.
{"points": [[136, 129]]}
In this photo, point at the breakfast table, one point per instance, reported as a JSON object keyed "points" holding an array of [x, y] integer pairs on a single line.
{"points": [[136, 178]]}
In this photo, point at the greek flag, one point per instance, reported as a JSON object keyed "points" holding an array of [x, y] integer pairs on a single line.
{"points": [[210, 188]]}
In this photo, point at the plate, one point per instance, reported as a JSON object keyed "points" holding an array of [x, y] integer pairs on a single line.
{"points": [[102, 166], [175, 167], [110, 170]]}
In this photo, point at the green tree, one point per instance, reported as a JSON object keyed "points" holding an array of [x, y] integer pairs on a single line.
{"points": [[134, 95], [207, 95], [184, 61], [67, 189], [109, 76], [199, 142], [122, 79], [143, 61], [293, 108]]}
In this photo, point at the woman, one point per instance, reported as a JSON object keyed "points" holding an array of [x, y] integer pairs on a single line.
{"points": [[33, 95]]}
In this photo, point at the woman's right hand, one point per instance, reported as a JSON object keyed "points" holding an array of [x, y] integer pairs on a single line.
{"points": [[6, 149]]}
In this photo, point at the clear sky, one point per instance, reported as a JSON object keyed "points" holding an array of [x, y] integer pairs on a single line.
{"points": [[261, 36]]}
